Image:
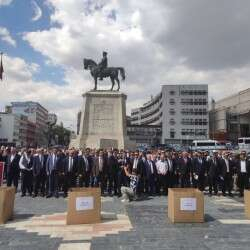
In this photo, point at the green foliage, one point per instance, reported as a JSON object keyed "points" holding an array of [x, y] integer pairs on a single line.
{"points": [[60, 135]]}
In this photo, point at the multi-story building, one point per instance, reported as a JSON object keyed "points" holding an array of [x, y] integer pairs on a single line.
{"points": [[16, 130], [36, 114], [31, 134], [9, 129], [180, 110], [230, 117]]}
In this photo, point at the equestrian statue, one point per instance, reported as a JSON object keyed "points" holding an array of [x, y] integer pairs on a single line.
{"points": [[101, 70]]}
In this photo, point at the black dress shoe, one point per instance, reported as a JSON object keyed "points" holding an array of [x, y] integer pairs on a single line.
{"points": [[49, 196], [22, 195], [34, 196]]}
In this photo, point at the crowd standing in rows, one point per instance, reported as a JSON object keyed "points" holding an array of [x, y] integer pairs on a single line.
{"points": [[130, 174]]}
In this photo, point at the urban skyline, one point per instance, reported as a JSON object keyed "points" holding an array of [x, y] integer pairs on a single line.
{"points": [[39, 66]]}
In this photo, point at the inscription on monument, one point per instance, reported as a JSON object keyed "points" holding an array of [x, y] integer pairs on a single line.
{"points": [[103, 118]]}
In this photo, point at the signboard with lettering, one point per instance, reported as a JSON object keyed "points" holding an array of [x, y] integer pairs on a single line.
{"points": [[84, 203], [188, 204]]}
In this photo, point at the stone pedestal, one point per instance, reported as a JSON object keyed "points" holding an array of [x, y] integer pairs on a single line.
{"points": [[103, 121]]}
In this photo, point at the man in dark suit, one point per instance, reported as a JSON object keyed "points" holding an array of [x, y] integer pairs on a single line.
{"points": [[243, 172], [39, 173], [151, 175], [226, 174], [70, 170], [13, 170], [88, 163], [81, 169], [100, 166], [184, 170], [113, 168], [138, 166], [198, 171], [213, 173], [171, 172]]}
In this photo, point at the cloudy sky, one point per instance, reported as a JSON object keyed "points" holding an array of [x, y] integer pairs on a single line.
{"points": [[156, 41]]}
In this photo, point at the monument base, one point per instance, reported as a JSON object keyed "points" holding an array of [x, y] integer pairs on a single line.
{"points": [[103, 121]]}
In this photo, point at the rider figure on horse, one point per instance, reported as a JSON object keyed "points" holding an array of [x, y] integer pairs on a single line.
{"points": [[103, 64]]}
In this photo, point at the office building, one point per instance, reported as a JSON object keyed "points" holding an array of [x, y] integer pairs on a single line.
{"points": [[180, 110], [36, 114], [230, 117]]}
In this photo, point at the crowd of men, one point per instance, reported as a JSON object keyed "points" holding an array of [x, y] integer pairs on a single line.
{"points": [[49, 172]]}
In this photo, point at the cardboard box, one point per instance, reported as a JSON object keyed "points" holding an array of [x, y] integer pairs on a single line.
{"points": [[84, 206], [247, 203], [7, 199], [185, 205]]}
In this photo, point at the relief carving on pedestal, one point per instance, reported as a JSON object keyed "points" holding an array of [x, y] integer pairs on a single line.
{"points": [[103, 118]]}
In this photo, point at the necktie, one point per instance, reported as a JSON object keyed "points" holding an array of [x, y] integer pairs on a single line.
{"points": [[169, 165], [87, 163], [100, 163], [70, 163]]}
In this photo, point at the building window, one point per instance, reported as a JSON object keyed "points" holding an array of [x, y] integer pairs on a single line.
{"points": [[172, 122], [172, 134], [172, 101], [171, 111], [172, 92]]}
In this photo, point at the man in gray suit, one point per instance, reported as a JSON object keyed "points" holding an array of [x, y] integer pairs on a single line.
{"points": [[52, 174]]}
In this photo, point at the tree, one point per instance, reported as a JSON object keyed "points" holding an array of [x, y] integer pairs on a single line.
{"points": [[62, 134]]}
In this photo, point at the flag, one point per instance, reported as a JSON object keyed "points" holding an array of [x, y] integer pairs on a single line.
{"points": [[1, 67]]}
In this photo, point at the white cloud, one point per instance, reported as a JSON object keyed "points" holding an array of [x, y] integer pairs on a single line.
{"points": [[5, 2], [6, 37], [37, 11], [150, 40], [18, 85]]}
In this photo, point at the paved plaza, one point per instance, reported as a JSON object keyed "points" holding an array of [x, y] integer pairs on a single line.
{"points": [[40, 224]]}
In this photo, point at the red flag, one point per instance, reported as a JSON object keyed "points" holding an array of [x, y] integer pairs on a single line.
{"points": [[1, 67]]}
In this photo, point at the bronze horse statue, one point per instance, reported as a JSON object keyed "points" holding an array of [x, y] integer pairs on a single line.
{"points": [[112, 72]]}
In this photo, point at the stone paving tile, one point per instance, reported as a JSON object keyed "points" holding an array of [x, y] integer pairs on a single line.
{"points": [[151, 228], [44, 223]]}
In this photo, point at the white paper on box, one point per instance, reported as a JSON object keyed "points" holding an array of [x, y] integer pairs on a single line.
{"points": [[84, 203], [188, 204]]}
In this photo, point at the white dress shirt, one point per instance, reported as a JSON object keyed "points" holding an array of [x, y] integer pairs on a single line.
{"points": [[100, 163], [227, 164], [70, 163], [135, 163], [12, 157], [161, 167], [243, 167]]}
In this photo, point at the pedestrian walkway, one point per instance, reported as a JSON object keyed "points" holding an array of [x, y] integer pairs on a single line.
{"points": [[136, 225]]}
